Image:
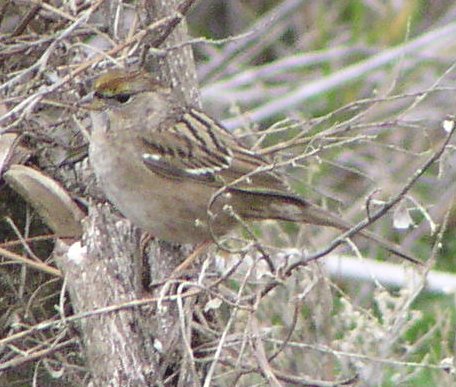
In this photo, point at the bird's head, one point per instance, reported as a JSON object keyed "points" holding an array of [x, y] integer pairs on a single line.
{"points": [[118, 88]]}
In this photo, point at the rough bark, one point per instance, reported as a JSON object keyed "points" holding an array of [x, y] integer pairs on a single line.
{"points": [[119, 345]]}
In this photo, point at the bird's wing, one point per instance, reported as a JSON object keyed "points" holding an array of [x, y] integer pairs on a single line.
{"points": [[199, 148]]}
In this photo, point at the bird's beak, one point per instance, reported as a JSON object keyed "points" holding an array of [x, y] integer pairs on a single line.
{"points": [[89, 102], [87, 98]]}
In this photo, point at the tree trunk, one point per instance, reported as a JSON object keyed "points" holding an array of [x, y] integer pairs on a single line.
{"points": [[137, 346]]}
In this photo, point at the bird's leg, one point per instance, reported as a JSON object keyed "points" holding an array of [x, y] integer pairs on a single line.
{"points": [[144, 241]]}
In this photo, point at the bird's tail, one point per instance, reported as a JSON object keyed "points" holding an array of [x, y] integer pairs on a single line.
{"points": [[282, 206]]}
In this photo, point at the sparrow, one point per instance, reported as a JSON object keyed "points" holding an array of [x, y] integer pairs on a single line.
{"points": [[177, 173]]}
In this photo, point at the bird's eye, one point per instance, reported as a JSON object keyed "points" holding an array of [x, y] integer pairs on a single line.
{"points": [[122, 98]]}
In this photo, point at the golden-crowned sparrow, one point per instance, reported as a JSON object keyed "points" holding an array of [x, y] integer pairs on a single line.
{"points": [[177, 173]]}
